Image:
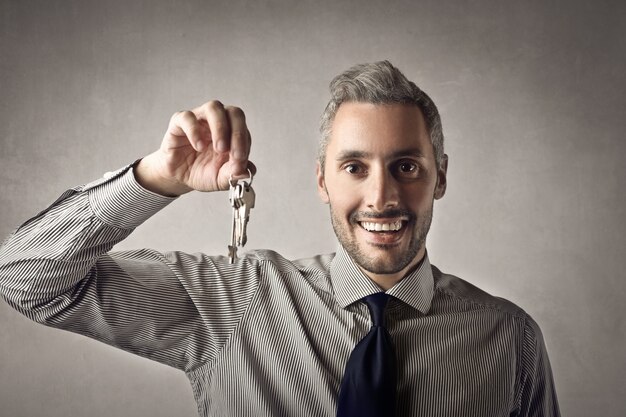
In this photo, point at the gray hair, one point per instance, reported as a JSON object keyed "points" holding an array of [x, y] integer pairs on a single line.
{"points": [[379, 83]]}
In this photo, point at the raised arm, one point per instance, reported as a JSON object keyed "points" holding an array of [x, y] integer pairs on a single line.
{"points": [[57, 269]]}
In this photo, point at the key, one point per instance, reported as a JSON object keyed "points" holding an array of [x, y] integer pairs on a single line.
{"points": [[242, 198], [235, 202], [247, 199]]}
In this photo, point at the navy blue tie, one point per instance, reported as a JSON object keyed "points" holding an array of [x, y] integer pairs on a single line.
{"points": [[368, 388]]}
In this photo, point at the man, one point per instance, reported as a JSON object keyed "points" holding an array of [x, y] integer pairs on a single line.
{"points": [[270, 337]]}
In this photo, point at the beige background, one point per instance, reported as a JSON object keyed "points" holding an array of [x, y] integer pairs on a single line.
{"points": [[532, 99]]}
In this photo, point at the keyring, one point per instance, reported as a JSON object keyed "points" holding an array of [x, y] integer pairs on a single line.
{"points": [[230, 179]]}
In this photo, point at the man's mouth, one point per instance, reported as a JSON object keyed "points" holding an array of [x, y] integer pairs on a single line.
{"points": [[392, 226]]}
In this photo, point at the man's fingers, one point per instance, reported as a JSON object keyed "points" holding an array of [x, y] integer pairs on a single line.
{"points": [[185, 123], [214, 114], [220, 136], [239, 139]]}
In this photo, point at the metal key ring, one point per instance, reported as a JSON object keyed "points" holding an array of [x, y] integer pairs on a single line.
{"points": [[230, 179]]}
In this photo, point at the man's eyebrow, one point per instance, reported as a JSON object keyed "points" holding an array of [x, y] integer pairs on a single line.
{"points": [[355, 154], [352, 154]]}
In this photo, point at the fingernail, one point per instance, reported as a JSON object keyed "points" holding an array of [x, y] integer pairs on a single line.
{"points": [[200, 145], [221, 146]]}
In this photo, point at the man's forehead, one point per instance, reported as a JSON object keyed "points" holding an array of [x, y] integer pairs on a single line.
{"points": [[367, 130]]}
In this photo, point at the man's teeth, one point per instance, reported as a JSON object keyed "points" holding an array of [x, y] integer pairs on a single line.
{"points": [[382, 227]]}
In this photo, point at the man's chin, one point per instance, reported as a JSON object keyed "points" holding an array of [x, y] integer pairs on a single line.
{"points": [[387, 258], [384, 263]]}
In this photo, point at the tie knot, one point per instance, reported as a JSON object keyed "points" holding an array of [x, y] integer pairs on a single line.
{"points": [[376, 304]]}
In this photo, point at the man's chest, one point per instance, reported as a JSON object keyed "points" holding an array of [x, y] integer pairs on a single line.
{"points": [[296, 355]]}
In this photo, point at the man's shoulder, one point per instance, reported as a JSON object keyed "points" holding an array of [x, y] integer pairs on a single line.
{"points": [[458, 290], [314, 266]]}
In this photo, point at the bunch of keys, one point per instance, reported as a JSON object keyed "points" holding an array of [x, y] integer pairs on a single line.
{"points": [[241, 197]]}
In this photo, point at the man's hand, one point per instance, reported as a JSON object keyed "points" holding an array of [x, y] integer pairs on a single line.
{"points": [[201, 149]]}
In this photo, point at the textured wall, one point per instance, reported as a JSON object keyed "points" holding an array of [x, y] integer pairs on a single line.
{"points": [[532, 99]]}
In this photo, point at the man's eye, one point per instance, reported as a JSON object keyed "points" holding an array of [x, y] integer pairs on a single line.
{"points": [[407, 168], [353, 169]]}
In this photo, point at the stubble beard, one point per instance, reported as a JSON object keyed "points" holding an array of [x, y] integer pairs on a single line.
{"points": [[394, 262]]}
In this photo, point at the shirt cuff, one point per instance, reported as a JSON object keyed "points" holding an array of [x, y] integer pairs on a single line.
{"points": [[121, 202]]}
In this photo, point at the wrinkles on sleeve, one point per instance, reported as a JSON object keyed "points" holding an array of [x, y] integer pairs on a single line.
{"points": [[537, 394], [123, 203], [221, 292], [132, 300], [51, 253], [56, 269]]}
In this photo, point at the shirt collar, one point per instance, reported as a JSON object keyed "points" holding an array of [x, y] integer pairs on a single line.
{"points": [[350, 284]]}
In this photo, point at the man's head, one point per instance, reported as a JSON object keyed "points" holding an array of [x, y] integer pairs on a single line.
{"points": [[379, 169], [379, 83]]}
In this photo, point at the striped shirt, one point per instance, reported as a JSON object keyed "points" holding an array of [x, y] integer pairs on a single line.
{"points": [[266, 336]]}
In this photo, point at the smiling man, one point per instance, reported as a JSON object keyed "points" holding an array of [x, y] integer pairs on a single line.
{"points": [[380, 177], [372, 330]]}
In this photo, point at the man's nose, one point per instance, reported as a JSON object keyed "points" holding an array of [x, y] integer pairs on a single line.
{"points": [[382, 190]]}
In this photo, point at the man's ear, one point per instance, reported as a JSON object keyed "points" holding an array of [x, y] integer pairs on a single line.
{"points": [[321, 184], [442, 181]]}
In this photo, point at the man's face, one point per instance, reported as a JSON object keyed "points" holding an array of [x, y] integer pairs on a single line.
{"points": [[380, 181]]}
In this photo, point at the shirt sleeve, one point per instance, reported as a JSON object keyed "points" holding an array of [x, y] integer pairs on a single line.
{"points": [[176, 308], [536, 396]]}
